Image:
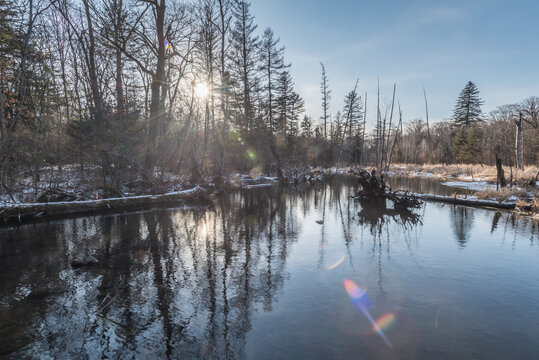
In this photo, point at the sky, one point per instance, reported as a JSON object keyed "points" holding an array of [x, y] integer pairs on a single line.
{"points": [[436, 45]]}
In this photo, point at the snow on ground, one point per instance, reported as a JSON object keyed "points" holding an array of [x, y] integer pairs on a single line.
{"points": [[471, 185], [140, 197], [88, 185]]}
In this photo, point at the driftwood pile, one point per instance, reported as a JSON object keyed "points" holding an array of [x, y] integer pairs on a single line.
{"points": [[299, 175], [374, 190], [528, 207]]}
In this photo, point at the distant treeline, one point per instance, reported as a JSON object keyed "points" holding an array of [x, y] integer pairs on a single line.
{"points": [[139, 87]]}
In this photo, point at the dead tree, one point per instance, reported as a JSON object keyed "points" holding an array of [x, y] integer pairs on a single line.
{"points": [[389, 128], [518, 144], [500, 178], [427, 117], [374, 190]]}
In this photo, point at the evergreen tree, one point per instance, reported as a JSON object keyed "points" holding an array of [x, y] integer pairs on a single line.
{"points": [[7, 32], [468, 107], [467, 145], [244, 60], [353, 110], [353, 114], [307, 127], [7, 47], [271, 64], [289, 104]]}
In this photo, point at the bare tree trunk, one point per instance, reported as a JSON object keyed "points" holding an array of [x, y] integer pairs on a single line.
{"points": [[428, 128], [3, 134], [363, 132], [158, 80], [120, 98], [92, 68], [500, 178], [378, 130], [398, 133], [518, 145], [224, 83], [390, 122]]}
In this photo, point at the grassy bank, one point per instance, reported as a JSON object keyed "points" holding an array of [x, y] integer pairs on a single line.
{"points": [[471, 172]]}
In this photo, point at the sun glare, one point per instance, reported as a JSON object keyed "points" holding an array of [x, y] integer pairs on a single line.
{"points": [[202, 90]]}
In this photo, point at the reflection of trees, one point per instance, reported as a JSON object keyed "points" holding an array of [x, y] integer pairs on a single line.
{"points": [[169, 284], [182, 284], [462, 219], [375, 216]]}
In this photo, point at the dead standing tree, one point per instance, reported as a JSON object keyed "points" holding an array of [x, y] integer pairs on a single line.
{"points": [[500, 178], [518, 143]]}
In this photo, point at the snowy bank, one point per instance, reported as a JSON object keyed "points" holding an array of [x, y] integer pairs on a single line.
{"points": [[36, 210]]}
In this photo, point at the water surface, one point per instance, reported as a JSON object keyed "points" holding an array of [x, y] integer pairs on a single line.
{"points": [[257, 277]]}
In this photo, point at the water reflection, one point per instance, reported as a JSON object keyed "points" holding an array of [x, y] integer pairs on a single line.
{"points": [[190, 283], [169, 284], [462, 219]]}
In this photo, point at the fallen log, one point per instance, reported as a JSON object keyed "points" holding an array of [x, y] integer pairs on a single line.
{"points": [[34, 210], [509, 205]]}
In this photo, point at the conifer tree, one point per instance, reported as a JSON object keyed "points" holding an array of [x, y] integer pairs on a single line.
{"points": [[468, 107], [289, 104], [307, 127], [244, 60], [271, 64]]}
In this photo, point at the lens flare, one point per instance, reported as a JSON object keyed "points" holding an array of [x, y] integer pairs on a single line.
{"points": [[353, 290], [385, 321], [251, 154], [337, 264], [361, 301]]}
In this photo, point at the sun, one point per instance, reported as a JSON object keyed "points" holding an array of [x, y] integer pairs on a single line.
{"points": [[202, 90]]}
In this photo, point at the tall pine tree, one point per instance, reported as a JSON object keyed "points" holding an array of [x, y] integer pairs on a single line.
{"points": [[466, 115], [468, 107], [271, 64], [244, 60]]}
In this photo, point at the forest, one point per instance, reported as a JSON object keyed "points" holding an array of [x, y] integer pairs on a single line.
{"points": [[178, 181], [111, 91]]}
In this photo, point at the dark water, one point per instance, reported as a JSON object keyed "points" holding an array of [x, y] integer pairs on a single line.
{"points": [[424, 185], [256, 277]]}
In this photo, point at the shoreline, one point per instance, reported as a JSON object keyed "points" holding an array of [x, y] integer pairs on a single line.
{"points": [[19, 212]]}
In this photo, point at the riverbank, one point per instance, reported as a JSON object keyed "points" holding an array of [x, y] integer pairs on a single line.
{"points": [[482, 175], [64, 198]]}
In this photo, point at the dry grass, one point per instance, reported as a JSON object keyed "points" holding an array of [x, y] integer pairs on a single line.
{"points": [[476, 171], [502, 195], [528, 207]]}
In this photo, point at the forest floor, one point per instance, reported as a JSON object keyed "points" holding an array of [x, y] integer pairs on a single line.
{"points": [[70, 185]]}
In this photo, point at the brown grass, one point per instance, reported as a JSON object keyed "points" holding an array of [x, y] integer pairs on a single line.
{"points": [[502, 194], [528, 207], [485, 172]]}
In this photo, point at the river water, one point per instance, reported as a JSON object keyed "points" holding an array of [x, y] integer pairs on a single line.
{"points": [[274, 273]]}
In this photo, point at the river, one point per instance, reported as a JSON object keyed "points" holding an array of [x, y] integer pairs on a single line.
{"points": [[274, 273]]}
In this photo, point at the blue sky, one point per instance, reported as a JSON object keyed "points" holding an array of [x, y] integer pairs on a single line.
{"points": [[439, 45]]}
